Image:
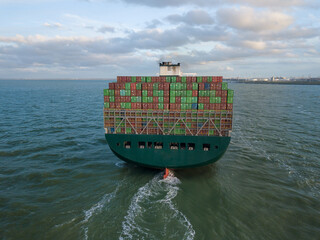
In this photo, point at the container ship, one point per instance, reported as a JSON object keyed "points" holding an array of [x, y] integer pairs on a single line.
{"points": [[168, 121]]}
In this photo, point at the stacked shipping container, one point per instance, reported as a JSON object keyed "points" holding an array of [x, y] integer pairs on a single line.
{"points": [[171, 99]]}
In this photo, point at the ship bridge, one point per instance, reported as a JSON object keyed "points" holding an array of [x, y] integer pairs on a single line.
{"points": [[170, 69]]}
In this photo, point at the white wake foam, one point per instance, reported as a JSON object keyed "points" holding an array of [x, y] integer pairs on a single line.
{"points": [[146, 200]]}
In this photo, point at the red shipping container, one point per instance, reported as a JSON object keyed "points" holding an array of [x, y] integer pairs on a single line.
{"points": [[189, 79], [118, 86], [229, 106], [138, 79], [166, 100], [128, 79], [106, 98], [166, 86], [118, 79], [117, 93], [223, 106], [128, 99], [112, 86], [204, 79], [195, 93], [200, 100], [206, 99], [133, 93], [194, 79], [224, 93], [178, 100], [112, 105], [155, 79], [217, 106], [155, 106], [189, 86], [224, 100], [178, 106], [178, 79], [201, 86], [160, 86], [150, 93], [166, 106], [155, 100], [133, 86], [166, 93], [133, 105], [144, 86], [145, 105], [211, 106], [138, 93], [218, 93], [118, 105], [150, 105], [122, 99], [172, 106], [139, 105], [150, 86], [206, 106]]}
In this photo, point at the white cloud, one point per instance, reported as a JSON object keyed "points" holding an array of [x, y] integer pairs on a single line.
{"points": [[194, 17], [249, 19], [53, 25]]}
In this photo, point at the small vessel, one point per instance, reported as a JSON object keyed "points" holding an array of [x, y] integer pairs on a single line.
{"points": [[168, 121]]}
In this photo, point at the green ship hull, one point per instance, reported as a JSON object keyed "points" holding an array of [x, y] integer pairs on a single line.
{"points": [[168, 151]]}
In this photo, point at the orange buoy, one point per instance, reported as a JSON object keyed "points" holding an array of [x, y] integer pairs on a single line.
{"points": [[166, 173]]}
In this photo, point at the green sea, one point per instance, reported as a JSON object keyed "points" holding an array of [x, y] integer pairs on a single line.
{"points": [[60, 180]]}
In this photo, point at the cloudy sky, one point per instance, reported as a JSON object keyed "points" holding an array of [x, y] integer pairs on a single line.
{"points": [[105, 38]]}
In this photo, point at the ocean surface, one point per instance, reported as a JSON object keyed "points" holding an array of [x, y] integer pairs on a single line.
{"points": [[59, 179]]}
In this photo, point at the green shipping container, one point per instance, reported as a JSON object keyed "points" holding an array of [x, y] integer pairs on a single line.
{"points": [[194, 100], [155, 86], [218, 99], [133, 99], [111, 92], [183, 106], [189, 99], [212, 93], [195, 86], [160, 93], [209, 79], [105, 92], [172, 93], [155, 93], [224, 86], [200, 106], [128, 105], [212, 99], [111, 98], [123, 105], [150, 99], [189, 93], [138, 99], [122, 93], [168, 79], [128, 93], [172, 100], [106, 105], [127, 86], [144, 99], [230, 93], [133, 79], [172, 86], [138, 86], [184, 100], [230, 100], [144, 93], [183, 93], [173, 79], [199, 79], [160, 105], [184, 79], [128, 130], [143, 79], [160, 99], [148, 79]]}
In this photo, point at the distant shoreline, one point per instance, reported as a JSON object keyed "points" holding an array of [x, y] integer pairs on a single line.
{"points": [[278, 82]]}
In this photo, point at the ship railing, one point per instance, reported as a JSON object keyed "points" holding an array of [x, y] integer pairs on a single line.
{"points": [[194, 123]]}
